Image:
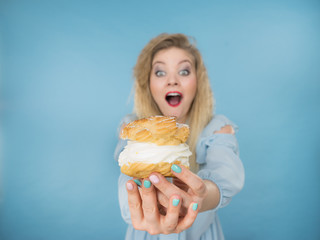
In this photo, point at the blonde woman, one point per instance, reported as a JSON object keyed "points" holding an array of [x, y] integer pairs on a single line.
{"points": [[171, 80]]}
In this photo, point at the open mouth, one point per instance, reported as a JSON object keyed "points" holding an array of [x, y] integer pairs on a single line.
{"points": [[174, 98]]}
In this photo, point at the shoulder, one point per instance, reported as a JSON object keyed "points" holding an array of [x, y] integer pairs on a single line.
{"points": [[125, 120], [128, 118], [217, 123], [121, 143], [213, 136]]}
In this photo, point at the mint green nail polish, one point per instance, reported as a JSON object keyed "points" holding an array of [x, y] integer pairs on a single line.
{"points": [[176, 168], [195, 206], [146, 183], [137, 181], [175, 202]]}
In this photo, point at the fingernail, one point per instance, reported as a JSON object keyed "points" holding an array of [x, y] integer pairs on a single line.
{"points": [[176, 168], [195, 206], [129, 186], [175, 202], [146, 183], [154, 179], [137, 181]]}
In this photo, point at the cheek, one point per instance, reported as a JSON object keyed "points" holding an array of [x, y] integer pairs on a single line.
{"points": [[192, 88], [154, 88]]}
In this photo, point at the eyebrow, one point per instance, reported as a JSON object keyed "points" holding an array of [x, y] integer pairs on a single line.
{"points": [[186, 60]]}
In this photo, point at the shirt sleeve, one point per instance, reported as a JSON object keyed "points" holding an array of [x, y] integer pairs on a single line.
{"points": [[122, 143], [123, 198], [122, 191], [219, 161]]}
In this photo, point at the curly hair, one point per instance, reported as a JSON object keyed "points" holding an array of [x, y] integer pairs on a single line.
{"points": [[201, 109]]}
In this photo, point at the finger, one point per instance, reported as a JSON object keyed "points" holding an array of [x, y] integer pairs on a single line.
{"points": [[170, 221], [169, 189], [137, 181], [192, 180], [164, 202], [189, 219], [134, 201], [162, 199], [149, 203]]}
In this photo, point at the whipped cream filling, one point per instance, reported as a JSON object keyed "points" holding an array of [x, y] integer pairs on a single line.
{"points": [[152, 153]]}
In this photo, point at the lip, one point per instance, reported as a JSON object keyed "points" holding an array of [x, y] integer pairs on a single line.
{"points": [[181, 96]]}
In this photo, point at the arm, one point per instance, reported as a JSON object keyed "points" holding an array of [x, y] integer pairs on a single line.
{"points": [[222, 164], [213, 197]]}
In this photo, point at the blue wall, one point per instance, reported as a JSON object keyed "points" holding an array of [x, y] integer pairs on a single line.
{"points": [[66, 79]]}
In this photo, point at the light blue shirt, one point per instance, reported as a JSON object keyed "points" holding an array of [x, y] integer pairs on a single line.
{"points": [[218, 159]]}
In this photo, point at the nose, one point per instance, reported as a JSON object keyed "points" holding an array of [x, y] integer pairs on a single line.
{"points": [[173, 80]]}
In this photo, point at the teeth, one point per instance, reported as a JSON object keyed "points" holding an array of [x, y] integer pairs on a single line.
{"points": [[173, 94]]}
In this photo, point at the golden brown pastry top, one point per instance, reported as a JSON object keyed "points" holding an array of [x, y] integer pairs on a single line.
{"points": [[160, 130]]}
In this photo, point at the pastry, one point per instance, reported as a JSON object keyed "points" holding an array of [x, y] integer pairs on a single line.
{"points": [[154, 144]]}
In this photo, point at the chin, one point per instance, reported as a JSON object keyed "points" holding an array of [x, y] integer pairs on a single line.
{"points": [[177, 116], [173, 112]]}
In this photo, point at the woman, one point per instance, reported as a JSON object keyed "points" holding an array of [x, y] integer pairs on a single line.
{"points": [[171, 80]]}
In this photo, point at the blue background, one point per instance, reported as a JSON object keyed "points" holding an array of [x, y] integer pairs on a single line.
{"points": [[66, 81]]}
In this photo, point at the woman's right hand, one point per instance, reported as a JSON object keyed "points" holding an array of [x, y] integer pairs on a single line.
{"points": [[145, 215]]}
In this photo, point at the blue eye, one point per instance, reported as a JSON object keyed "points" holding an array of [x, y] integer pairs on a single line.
{"points": [[184, 72], [160, 73]]}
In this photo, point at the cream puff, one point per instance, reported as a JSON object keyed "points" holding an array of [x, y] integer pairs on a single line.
{"points": [[154, 145]]}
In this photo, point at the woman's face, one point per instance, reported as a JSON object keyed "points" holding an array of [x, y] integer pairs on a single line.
{"points": [[173, 82]]}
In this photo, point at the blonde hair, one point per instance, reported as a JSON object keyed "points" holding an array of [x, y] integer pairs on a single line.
{"points": [[201, 110]]}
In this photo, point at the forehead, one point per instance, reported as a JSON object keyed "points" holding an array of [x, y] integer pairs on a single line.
{"points": [[172, 54]]}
